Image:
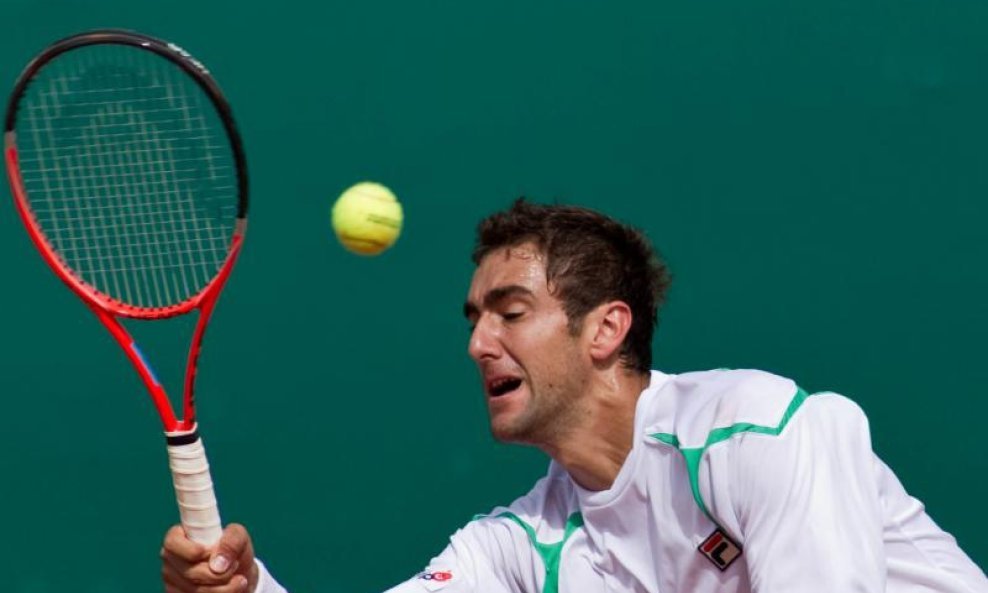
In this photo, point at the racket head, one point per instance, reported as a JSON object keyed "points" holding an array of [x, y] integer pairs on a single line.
{"points": [[128, 171]]}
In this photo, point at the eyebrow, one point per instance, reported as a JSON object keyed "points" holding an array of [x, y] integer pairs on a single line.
{"points": [[494, 296]]}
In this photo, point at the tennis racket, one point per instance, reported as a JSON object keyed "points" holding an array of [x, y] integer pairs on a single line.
{"points": [[129, 174]]}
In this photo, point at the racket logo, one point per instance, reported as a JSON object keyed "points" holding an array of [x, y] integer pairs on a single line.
{"points": [[128, 172], [188, 57]]}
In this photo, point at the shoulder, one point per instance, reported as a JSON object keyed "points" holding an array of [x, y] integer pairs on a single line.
{"points": [[494, 551], [745, 433], [541, 514], [688, 407]]}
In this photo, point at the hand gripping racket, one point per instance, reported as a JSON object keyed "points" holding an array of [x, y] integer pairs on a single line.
{"points": [[129, 174]]}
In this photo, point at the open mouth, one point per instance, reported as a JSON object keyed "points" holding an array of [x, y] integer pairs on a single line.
{"points": [[502, 386]]}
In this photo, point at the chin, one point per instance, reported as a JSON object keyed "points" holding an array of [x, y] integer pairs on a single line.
{"points": [[502, 433], [512, 430], [515, 419]]}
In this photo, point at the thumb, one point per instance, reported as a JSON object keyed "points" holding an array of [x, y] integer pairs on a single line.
{"points": [[231, 546]]}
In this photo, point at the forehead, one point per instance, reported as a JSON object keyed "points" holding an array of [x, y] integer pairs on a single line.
{"points": [[522, 265]]}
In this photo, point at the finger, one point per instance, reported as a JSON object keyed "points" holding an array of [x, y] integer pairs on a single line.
{"points": [[239, 588], [177, 583], [199, 574], [238, 585], [252, 573], [178, 544], [234, 547], [177, 564], [174, 581]]}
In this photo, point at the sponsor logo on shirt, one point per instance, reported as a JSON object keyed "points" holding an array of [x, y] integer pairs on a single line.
{"points": [[435, 579], [720, 549]]}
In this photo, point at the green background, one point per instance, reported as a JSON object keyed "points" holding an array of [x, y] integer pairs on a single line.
{"points": [[815, 173]]}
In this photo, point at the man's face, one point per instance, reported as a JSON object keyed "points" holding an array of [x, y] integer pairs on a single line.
{"points": [[532, 367]]}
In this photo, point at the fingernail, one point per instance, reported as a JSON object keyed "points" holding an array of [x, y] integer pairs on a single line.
{"points": [[243, 584], [219, 564]]}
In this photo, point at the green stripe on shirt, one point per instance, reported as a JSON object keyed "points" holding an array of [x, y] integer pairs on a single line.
{"points": [[693, 455]]}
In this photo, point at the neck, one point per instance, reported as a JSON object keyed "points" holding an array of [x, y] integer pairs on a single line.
{"points": [[593, 450]]}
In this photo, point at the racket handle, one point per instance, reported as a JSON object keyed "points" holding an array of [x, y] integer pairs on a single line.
{"points": [[193, 487]]}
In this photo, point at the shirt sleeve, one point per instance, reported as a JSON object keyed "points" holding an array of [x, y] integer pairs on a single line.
{"points": [[482, 557], [266, 582], [490, 554], [808, 505]]}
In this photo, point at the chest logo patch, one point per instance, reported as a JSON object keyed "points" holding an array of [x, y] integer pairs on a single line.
{"points": [[720, 549]]}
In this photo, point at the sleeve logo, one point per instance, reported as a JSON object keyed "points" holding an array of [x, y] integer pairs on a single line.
{"points": [[435, 579], [720, 549]]}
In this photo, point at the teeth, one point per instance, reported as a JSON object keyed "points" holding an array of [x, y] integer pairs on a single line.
{"points": [[502, 386]]}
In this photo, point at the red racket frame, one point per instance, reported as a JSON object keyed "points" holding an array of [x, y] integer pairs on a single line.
{"points": [[106, 308]]}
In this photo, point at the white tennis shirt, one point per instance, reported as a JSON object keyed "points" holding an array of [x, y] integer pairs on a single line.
{"points": [[737, 481]]}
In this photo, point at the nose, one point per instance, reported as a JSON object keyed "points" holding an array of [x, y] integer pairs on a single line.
{"points": [[483, 341]]}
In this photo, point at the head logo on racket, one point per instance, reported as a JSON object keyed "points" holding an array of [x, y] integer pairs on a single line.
{"points": [[129, 174]]}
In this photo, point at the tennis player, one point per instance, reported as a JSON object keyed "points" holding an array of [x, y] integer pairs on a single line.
{"points": [[708, 482]]}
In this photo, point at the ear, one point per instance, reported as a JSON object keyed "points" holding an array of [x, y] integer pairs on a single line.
{"points": [[611, 323]]}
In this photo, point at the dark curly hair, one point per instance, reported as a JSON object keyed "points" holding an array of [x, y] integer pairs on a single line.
{"points": [[590, 259]]}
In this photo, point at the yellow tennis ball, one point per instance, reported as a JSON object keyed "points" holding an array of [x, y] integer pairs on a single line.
{"points": [[367, 218]]}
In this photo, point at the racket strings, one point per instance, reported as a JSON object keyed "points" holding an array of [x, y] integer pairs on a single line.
{"points": [[128, 173]]}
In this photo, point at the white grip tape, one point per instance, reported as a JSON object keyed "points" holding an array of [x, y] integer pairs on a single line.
{"points": [[194, 491]]}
